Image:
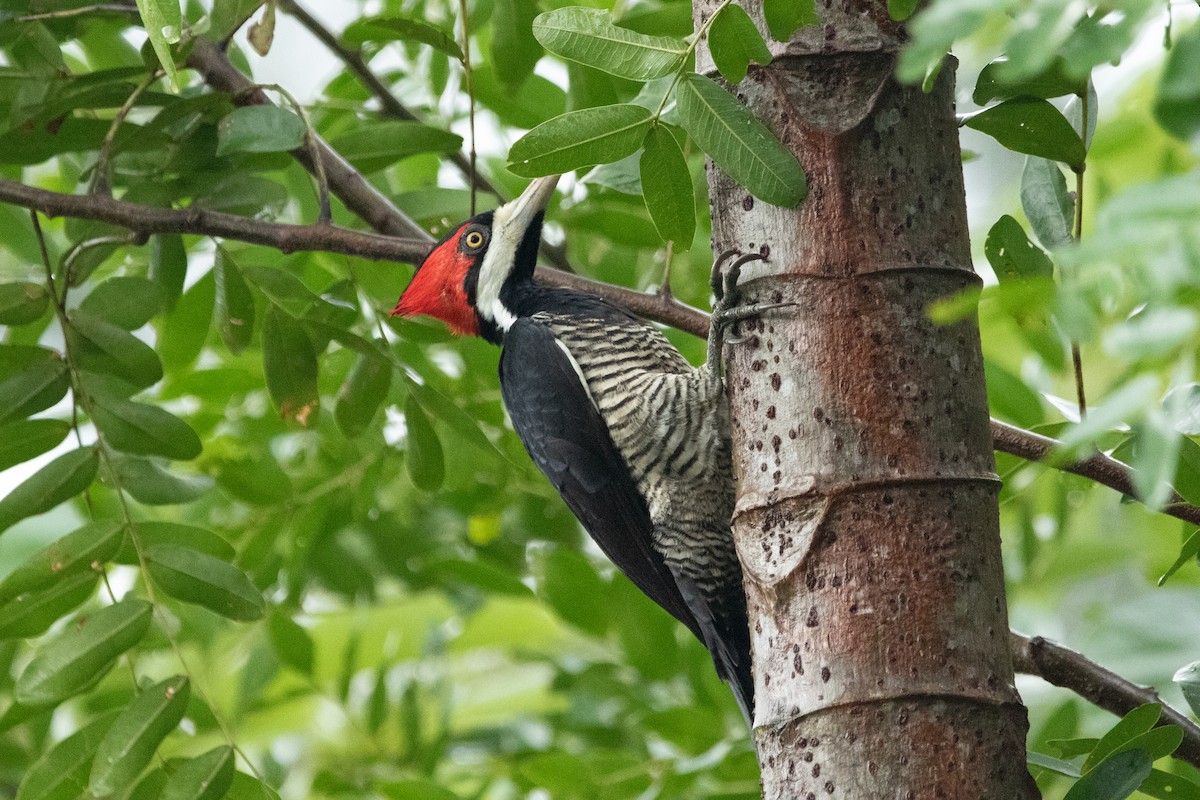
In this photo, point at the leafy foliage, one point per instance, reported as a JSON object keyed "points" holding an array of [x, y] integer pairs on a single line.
{"points": [[240, 496]]}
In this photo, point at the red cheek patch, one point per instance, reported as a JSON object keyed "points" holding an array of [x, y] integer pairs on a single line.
{"points": [[437, 290]]}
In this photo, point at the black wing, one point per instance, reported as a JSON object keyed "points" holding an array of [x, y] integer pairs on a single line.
{"points": [[569, 442]]}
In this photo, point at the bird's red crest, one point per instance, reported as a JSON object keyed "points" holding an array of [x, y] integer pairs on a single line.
{"points": [[437, 289]]}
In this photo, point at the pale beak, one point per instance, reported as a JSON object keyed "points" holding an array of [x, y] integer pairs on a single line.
{"points": [[520, 212]]}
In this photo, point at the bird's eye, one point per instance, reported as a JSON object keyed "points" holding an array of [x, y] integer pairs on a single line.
{"points": [[473, 240]]}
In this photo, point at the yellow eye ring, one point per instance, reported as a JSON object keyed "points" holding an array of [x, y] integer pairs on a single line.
{"points": [[473, 240]]}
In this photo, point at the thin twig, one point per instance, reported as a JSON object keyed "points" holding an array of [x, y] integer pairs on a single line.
{"points": [[345, 182], [101, 182], [116, 8], [325, 214], [1068, 669], [323, 238], [390, 106], [656, 307], [470, 76]]}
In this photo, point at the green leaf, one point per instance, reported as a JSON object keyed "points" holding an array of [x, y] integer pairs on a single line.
{"points": [[588, 36], [568, 582], [1032, 126], [185, 329], [1009, 397], [245, 787], [34, 389], [149, 534], [168, 266], [33, 614], [424, 460], [163, 22], [1188, 677], [283, 289], [1049, 762], [1187, 554], [450, 413], [205, 777], [259, 129], [62, 771], [1012, 255], [205, 580], [691, 730], [151, 484], [290, 365], [1114, 779], [1053, 81], [234, 304], [1151, 333], [1045, 200], [1155, 458], [60, 480], [362, 394], [82, 653], [1164, 786], [739, 143], [1137, 722], [128, 302], [402, 29], [900, 10], [144, 429], [291, 642], [256, 478], [136, 734], [94, 543], [1177, 107], [515, 51], [370, 147], [784, 17], [22, 303], [667, 185], [1184, 399], [579, 139], [98, 345], [28, 438], [734, 42]]}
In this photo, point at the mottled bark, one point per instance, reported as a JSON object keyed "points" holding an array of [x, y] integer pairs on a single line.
{"points": [[866, 519]]}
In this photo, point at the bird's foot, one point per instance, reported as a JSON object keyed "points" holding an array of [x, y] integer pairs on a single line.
{"points": [[726, 311]]}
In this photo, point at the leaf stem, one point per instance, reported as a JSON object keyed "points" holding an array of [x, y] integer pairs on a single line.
{"points": [[1077, 234], [311, 143], [466, 64], [101, 180], [80, 397], [700, 34]]}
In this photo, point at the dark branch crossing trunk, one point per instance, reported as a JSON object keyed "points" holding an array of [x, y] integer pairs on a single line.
{"points": [[866, 519]]}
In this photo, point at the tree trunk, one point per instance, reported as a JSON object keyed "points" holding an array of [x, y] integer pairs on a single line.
{"points": [[866, 519]]}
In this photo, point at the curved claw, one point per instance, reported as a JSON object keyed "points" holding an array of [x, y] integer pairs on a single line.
{"points": [[714, 278], [730, 292]]}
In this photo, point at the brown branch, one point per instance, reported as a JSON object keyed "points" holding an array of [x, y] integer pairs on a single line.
{"points": [[1068, 669], [390, 106], [347, 183], [1097, 466], [656, 307], [324, 238]]}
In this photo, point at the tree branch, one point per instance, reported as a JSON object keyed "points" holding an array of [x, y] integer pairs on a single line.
{"points": [[1097, 466], [1036, 656], [390, 106], [347, 183], [323, 238], [1100, 687]]}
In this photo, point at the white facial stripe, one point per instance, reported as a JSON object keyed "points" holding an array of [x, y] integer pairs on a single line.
{"points": [[497, 265], [509, 225]]}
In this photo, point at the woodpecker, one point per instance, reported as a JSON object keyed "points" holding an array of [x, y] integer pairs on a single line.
{"points": [[633, 437]]}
